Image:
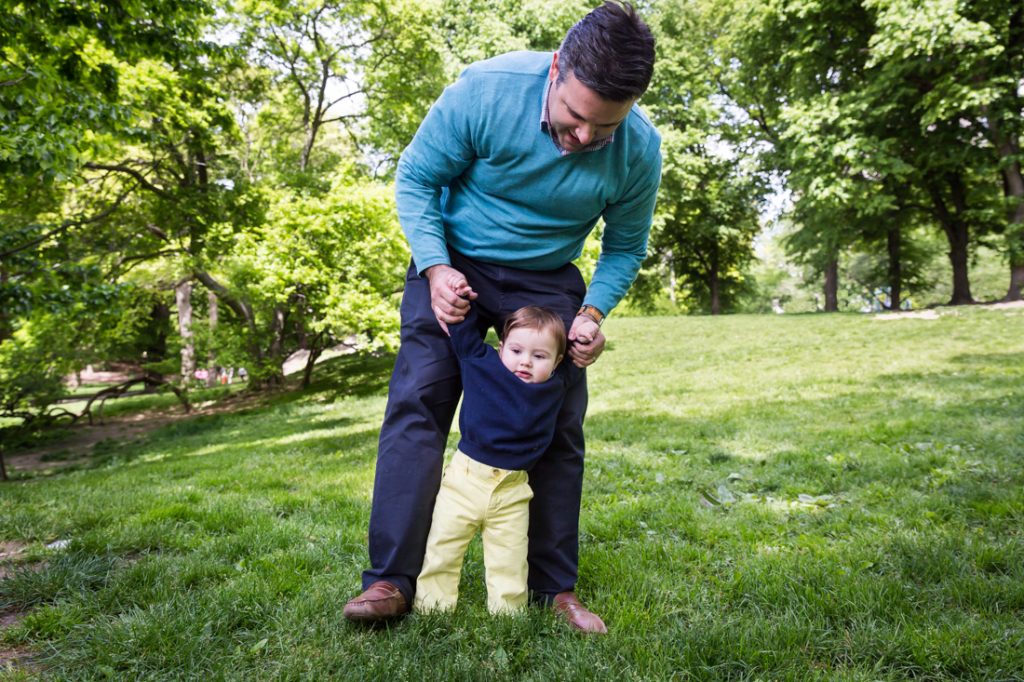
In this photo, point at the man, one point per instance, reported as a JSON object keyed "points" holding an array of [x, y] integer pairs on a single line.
{"points": [[507, 175]]}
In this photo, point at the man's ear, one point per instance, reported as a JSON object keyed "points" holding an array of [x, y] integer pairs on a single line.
{"points": [[554, 67]]}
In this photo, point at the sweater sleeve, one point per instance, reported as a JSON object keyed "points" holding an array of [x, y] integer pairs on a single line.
{"points": [[627, 226], [441, 150], [465, 338]]}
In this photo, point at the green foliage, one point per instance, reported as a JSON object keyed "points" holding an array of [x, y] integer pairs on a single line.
{"points": [[61, 73], [33, 362], [46, 346], [332, 261], [708, 204], [882, 115]]}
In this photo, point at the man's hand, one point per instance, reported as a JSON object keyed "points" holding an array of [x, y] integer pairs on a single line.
{"points": [[586, 342], [450, 294]]}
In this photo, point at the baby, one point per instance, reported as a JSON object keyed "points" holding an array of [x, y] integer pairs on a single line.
{"points": [[512, 397]]}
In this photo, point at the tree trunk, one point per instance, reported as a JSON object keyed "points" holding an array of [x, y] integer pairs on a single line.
{"points": [[277, 333], [244, 311], [211, 358], [315, 350], [1016, 283], [716, 304], [958, 257], [160, 317], [713, 283], [957, 234], [1008, 148], [183, 298], [895, 291], [5, 321], [670, 263], [1014, 189], [832, 286]]}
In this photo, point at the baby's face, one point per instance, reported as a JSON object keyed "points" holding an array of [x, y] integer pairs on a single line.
{"points": [[530, 354]]}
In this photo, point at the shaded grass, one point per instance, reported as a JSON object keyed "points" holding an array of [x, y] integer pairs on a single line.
{"points": [[870, 491]]}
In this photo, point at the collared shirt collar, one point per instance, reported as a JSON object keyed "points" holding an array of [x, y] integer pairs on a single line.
{"points": [[545, 125]]}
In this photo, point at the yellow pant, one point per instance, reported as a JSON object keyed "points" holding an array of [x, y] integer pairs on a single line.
{"points": [[475, 496]]}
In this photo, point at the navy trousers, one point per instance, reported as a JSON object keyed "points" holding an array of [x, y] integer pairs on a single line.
{"points": [[422, 397]]}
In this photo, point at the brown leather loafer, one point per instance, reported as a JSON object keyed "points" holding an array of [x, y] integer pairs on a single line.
{"points": [[380, 601], [569, 607]]}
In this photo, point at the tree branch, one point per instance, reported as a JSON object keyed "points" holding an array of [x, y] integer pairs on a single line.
{"points": [[65, 226], [13, 81], [139, 177]]}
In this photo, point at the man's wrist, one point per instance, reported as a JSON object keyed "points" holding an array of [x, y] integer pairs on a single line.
{"points": [[587, 310], [434, 269]]}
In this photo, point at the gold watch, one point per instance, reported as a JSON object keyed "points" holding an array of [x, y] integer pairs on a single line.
{"points": [[593, 313]]}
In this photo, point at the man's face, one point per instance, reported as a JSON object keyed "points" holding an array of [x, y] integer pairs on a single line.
{"points": [[530, 354], [578, 115]]}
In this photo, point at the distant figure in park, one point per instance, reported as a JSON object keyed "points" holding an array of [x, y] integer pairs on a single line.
{"points": [[242, 374], [512, 399], [509, 172]]}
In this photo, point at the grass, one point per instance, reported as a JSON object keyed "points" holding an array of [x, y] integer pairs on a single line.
{"points": [[786, 498]]}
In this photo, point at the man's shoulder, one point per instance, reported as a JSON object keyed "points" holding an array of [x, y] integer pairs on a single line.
{"points": [[643, 131], [510, 65]]}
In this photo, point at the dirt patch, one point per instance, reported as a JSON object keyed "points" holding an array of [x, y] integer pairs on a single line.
{"points": [[909, 315], [82, 438], [9, 618], [1006, 304], [14, 658], [936, 313], [10, 549]]}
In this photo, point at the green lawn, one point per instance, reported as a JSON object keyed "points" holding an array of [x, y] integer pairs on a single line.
{"points": [[792, 497]]}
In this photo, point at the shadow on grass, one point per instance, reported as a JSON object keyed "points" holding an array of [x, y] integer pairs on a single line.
{"points": [[999, 359], [358, 375]]}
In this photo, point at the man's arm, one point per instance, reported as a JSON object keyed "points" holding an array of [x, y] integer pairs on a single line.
{"points": [[441, 150], [623, 249], [627, 226]]}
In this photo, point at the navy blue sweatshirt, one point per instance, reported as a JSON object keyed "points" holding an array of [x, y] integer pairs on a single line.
{"points": [[505, 422]]}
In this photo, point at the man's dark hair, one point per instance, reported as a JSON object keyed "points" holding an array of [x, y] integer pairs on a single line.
{"points": [[611, 51]]}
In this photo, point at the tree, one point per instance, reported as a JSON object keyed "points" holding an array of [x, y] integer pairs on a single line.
{"points": [[706, 221], [707, 212], [965, 62], [861, 99]]}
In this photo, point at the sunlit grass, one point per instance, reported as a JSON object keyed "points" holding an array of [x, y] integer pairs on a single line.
{"points": [[794, 497]]}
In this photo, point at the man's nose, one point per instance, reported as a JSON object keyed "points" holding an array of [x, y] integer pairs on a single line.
{"points": [[585, 134]]}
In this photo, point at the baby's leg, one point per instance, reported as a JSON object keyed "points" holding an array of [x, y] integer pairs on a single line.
{"points": [[457, 516], [506, 544]]}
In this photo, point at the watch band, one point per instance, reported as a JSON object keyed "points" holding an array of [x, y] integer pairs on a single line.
{"points": [[593, 313]]}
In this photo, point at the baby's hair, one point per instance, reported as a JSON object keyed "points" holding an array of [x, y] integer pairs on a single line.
{"points": [[540, 319]]}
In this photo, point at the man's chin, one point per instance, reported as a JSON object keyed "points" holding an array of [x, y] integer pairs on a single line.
{"points": [[569, 144]]}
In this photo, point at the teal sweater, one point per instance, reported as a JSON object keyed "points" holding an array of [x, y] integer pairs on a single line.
{"points": [[482, 177]]}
